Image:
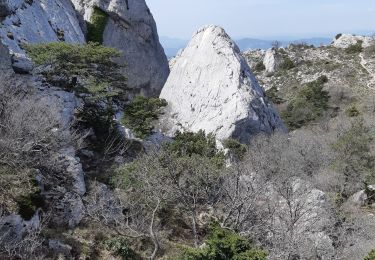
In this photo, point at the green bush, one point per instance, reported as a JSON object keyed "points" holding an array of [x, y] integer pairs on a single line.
{"points": [[235, 147], [309, 104], [189, 143], [86, 68], [287, 64], [338, 36], [120, 247], [140, 114], [259, 66], [370, 256], [272, 95], [355, 48], [96, 26], [352, 111], [223, 244]]}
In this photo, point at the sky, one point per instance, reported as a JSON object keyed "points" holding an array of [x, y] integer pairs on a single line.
{"points": [[265, 18]]}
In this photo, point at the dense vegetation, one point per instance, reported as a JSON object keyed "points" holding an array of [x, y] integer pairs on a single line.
{"points": [[141, 113], [96, 26], [308, 105]]}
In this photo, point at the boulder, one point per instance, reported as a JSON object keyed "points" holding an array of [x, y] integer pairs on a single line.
{"points": [[131, 29], [212, 88], [346, 40], [271, 60]]}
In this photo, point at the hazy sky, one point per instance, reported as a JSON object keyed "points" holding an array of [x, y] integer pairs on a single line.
{"points": [[264, 18]]}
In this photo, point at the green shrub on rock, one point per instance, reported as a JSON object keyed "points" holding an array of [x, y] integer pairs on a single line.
{"points": [[370, 256], [140, 114], [237, 149], [84, 68], [96, 26], [120, 247], [287, 64]]}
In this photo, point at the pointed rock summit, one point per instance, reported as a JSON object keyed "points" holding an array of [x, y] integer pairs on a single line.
{"points": [[212, 88]]}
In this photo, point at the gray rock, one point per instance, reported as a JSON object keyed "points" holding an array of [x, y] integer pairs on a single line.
{"points": [[60, 248], [212, 88], [5, 60], [132, 30], [21, 64], [36, 22], [14, 227], [358, 199], [68, 211]]}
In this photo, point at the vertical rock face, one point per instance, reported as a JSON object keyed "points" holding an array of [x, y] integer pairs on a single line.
{"points": [[35, 22], [132, 29], [212, 88], [271, 61]]}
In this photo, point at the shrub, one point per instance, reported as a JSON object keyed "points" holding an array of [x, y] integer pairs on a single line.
{"points": [[338, 36], [224, 244], [287, 64], [120, 247], [309, 104], [272, 95], [354, 158], [235, 148], [85, 69], [140, 114], [189, 143], [96, 26], [355, 48], [370, 256], [370, 51], [259, 66], [352, 111]]}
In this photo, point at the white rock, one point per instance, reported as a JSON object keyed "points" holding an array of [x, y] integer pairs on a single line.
{"points": [[346, 40], [132, 29], [212, 88], [271, 60]]}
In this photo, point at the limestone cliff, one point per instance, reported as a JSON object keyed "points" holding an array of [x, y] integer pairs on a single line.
{"points": [[212, 88]]}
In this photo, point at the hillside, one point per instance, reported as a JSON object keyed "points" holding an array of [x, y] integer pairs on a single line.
{"points": [[109, 152]]}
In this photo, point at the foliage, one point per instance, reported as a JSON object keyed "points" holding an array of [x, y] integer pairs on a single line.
{"points": [[338, 36], [352, 111], [287, 64], [141, 113], [354, 158], [309, 104], [120, 247], [235, 147], [259, 66], [355, 48], [190, 143], [224, 244], [85, 69], [273, 96], [96, 26], [370, 256]]}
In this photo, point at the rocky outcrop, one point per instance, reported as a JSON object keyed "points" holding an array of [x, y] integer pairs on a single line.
{"points": [[212, 88], [132, 29], [35, 22], [346, 40], [5, 61], [271, 60]]}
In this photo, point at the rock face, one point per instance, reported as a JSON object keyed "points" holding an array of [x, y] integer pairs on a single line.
{"points": [[212, 88], [132, 29], [271, 61], [345, 40], [5, 61], [36, 22]]}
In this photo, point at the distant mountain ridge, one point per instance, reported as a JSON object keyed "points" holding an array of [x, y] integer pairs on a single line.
{"points": [[173, 45]]}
